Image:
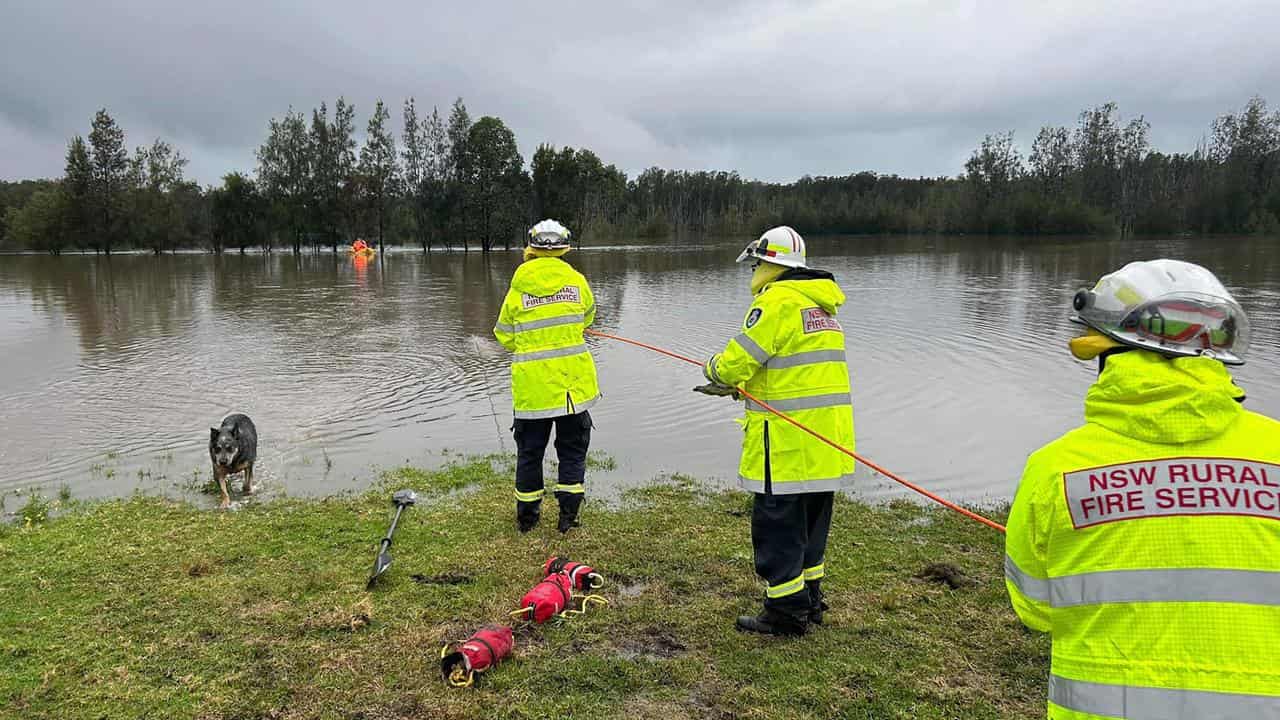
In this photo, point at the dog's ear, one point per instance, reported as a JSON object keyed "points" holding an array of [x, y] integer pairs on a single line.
{"points": [[213, 434]]}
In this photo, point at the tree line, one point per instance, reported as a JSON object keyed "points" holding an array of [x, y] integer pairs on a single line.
{"points": [[448, 181]]}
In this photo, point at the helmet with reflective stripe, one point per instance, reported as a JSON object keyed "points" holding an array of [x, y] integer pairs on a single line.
{"points": [[780, 246], [1167, 306], [549, 235]]}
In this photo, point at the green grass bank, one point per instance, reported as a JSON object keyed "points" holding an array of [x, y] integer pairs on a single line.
{"points": [[152, 608]]}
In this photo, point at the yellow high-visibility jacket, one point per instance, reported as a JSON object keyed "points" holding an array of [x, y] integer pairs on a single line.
{"points": [[790, 354], [541, 321], [1147, 542]]}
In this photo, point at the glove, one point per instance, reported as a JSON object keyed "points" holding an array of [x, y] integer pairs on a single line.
{"points": [[718, 390]]}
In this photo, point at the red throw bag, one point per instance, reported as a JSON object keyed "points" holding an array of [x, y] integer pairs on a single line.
{"points": [[546, 599], [478, 653], [581, 577]]}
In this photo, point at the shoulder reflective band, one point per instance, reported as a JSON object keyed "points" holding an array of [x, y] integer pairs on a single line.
{"points": [[755, 351], [1152, 703], [803, 403], [548, 354], [546, 323], [809, 357], [1247, 587]]}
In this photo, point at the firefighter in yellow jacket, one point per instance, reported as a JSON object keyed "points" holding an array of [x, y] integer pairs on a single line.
{"points": [[1147, 542], [553, 377], [789, 354]]}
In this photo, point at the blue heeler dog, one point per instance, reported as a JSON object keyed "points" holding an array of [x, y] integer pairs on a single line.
{"points": [[233, 447]]}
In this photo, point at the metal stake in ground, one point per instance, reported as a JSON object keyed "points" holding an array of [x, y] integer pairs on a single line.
{"points": [[402, 500]]}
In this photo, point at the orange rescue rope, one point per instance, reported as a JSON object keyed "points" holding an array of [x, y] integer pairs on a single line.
{"points": [[945, 503]]}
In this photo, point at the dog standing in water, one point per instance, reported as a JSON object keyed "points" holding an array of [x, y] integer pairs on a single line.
{"points": [[233, 447]]}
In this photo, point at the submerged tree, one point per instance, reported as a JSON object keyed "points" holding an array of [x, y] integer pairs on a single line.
{"points": [[1051, 160], [495, 181], [1246, 146], [416, 170], [40, 224], [157, 180], [577, 188], [1132, 150], [379, 169], [343, 143], [457, 202], [110, 165], [77, 184], [237, 213], [992, 172], [284, 174]]}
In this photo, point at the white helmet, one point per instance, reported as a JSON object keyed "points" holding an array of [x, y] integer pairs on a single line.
{"points": [[1167, 306], [780, 246], [549, 235]]}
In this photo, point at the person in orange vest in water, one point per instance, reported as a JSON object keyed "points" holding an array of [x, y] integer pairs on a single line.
{"points": [[359, 245]]}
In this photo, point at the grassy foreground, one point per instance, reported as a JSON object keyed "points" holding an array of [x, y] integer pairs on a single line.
{"points": [[151, 608]]}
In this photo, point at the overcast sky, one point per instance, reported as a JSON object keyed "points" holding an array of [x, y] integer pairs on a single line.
{"points": [[773, 90]]}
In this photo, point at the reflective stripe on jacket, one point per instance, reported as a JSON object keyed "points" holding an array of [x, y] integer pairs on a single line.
{"points": [[1147, 542], [541, 321], [790, 354]]}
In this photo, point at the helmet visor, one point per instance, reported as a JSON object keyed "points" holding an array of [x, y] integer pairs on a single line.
{"points": [[758, 250], [549, 241], [1180, 324], [1197, 322]]}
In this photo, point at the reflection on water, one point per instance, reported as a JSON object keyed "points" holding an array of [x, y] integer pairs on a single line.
{"points": [[114, 369]]}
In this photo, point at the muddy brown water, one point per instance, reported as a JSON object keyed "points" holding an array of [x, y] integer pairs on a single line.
{"points": [[114, 369]]}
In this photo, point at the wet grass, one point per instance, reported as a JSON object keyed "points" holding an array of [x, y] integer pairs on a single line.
{"points": [[147, 607]]}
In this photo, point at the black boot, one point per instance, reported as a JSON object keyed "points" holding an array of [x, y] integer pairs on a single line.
{"points": [[816, 606], [568, 519], [528, 515], [815, 612], [772, 623], [569, 505]]}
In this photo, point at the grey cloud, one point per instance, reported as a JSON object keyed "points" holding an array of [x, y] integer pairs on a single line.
{"points": [[772, 90]]}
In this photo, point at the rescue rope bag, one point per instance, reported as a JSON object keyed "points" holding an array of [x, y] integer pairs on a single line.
{"points": [[548, 598], [476, 654], [581, 577], [553, 597]]}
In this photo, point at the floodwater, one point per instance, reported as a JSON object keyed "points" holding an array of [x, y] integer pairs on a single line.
{"points": [[114, 369]]}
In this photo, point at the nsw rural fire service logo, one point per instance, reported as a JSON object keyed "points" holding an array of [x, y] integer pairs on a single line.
{"points": [[568, 293], [1177, 486], [817, 320]]}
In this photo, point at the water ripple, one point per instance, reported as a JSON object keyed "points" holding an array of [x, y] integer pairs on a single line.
{"points": [[116, 369]]}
